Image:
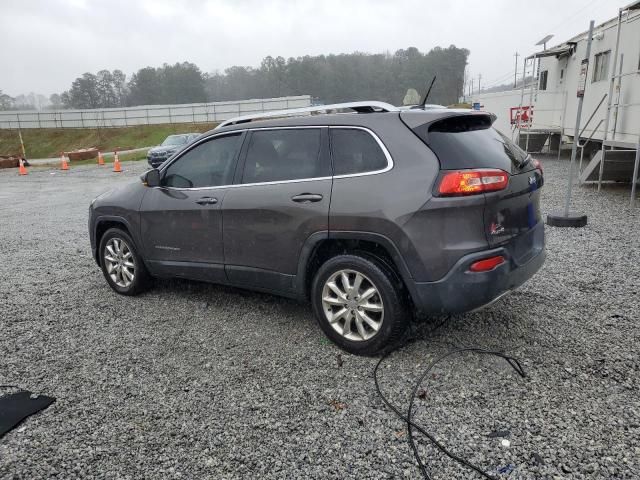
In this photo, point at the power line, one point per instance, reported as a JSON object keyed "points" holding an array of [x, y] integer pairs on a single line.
{"points": [[573, 15], [500, 80], [501, 77]]}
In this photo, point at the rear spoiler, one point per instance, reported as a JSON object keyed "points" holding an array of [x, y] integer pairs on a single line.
{"points": [[424, 119]]}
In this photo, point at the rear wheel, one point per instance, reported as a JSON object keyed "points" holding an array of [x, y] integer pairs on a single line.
{"points": [[359, 305], [121, 264]]}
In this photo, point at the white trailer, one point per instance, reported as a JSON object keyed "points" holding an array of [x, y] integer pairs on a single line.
{"points": [[542, 112]]}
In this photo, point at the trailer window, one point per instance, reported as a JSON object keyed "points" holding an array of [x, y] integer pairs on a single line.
{"points": [[543, 79], [601, 66]]}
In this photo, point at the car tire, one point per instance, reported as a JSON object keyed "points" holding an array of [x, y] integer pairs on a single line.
{"points": [[377, 293], [121, 263]]}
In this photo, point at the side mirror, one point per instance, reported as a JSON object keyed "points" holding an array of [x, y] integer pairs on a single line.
{"points": [[151, 178]]}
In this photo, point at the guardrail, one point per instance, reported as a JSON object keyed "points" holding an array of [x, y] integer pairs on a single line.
{"points": [[148, 114]]}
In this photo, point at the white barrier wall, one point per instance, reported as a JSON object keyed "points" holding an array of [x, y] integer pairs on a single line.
{"points": [[548, 108], [148, 114]]}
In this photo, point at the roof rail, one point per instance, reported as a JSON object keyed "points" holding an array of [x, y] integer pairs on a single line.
{"points": [[360, 107]]}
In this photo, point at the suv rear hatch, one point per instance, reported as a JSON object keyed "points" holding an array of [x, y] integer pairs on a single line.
{"points": [[466, 144]]}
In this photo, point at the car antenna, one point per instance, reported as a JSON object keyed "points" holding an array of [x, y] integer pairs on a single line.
{"points": [[423, 100]]}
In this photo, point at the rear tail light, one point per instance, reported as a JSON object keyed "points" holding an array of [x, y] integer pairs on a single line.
{"points": [[486, 264], [470, 182]]}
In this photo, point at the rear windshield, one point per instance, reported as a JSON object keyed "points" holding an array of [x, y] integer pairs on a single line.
{"points": [[469, 141]]}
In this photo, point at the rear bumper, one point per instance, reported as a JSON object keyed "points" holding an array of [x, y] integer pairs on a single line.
{"points": [[463, 291]]}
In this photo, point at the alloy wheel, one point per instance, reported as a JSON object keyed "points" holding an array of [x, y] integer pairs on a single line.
{"points": [[352, 305], [119, 262]]}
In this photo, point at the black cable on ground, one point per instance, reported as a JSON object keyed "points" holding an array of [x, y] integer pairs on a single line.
{"points": [[513, 362]]}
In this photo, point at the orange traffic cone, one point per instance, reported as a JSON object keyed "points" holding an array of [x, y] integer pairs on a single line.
{"points": [[116, 163], [100, 159], [63, 161], [22, 170]]}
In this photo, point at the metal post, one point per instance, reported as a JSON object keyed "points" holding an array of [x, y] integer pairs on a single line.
{"points": [[564, 114], [576, 138], [24, 154], [619, 89], [610, 98], [533, 76], [634, 180], [515, 74], [524, 72]]}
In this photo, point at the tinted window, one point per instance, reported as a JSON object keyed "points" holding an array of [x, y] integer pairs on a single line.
{"points": [[210, 164], [355, 151], [469, 141], [284, 154]]}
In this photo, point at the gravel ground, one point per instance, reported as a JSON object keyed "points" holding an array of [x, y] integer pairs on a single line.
{"points": [[193, 380]]}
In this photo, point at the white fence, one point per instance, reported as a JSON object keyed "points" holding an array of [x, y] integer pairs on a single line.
{"points": [[148, 114]]}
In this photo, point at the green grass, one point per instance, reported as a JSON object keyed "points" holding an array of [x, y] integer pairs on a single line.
{"points": [[49, 142]]}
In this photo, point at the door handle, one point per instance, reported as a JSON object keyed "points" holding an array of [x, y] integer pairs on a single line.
{"points": [[307, 197], [207, 201]]}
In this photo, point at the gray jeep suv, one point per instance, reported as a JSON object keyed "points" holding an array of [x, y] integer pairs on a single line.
{"points": [[373, 216]]}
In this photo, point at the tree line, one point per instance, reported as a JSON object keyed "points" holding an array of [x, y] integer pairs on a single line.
{"points": [[328, 78]]}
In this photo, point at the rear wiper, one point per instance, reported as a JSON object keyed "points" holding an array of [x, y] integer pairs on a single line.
{"points": [[524, 162]]}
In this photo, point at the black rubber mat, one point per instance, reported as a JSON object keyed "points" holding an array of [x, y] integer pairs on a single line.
{"points": [[15, 407]]}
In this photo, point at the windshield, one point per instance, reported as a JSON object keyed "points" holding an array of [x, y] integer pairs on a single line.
{"points": [[174, 140]]}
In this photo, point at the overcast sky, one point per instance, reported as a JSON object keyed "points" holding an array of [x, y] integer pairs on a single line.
{"points": [[46, 44]]}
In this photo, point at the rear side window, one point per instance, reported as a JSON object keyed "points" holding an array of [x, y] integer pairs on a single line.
{"points": [[469, 141], [284, 154], [209, 164], [355, 151]]}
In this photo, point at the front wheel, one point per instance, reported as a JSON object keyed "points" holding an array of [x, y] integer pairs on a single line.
{"points": [[121, 264], [359, 305]]}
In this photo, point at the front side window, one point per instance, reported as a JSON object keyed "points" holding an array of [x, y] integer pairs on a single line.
{"points": [[355, 151], [209, 164], [284, 154], [601, 66]]}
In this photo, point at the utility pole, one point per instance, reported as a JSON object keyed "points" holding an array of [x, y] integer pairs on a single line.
{"points": [[479, 78], [515, 75]]}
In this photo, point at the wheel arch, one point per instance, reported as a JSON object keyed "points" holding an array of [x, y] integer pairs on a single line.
{"points": [[321, 246], [103, 224]]}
